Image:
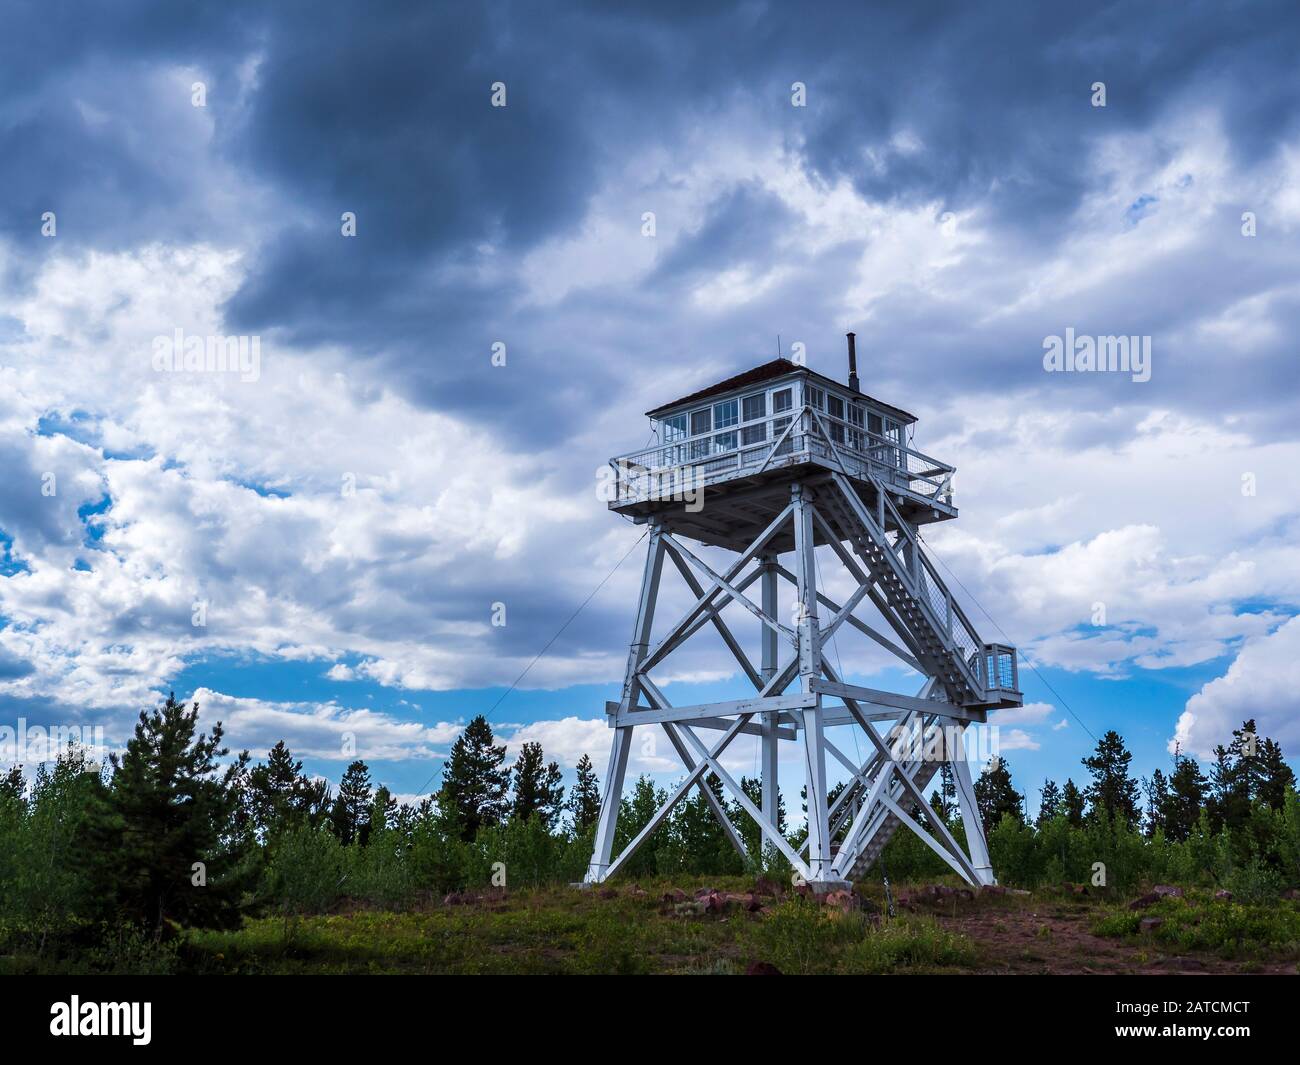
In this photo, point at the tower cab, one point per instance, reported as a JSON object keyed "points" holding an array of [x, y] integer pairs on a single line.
{"points": [[724, 456]]}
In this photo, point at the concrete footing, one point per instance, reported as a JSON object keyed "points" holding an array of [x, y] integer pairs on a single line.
{"points": [[821, 888]]}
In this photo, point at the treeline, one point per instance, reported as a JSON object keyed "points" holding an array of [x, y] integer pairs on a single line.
{"points": [[1236, 828], [174, 834], [177, 834]]}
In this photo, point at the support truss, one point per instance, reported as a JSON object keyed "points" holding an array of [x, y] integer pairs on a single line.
{"points": [[798, 694]]}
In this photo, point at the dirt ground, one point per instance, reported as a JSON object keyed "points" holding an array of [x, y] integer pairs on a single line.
{"points": [[1051, 936]]}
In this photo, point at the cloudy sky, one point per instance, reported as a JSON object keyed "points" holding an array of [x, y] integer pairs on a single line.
{"points": [[315, 548]]}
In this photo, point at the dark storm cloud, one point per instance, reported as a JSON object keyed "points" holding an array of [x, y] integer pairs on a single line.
{"points": [[387, 115], [385, 112], [955, 104], [741, 226], [84, 129]]}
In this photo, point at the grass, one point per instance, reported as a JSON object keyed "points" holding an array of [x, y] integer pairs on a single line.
{"points": [[562, 931], [800, 937], [1200, 922]]}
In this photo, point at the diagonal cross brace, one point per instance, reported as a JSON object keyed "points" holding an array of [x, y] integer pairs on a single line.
{"points": [[692, 776], [734, 593], [671, 640], [768, 829]]}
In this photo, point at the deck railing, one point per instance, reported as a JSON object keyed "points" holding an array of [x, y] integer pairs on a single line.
{"points": [[666, 469]]}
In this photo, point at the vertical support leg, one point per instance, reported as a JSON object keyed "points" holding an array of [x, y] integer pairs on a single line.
{"points": [[819, 833], [609, 803], [619, 749], [771, 785], [976, 846]]}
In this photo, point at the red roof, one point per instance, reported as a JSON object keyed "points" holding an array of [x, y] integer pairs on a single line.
{"points": [[765, 372]]}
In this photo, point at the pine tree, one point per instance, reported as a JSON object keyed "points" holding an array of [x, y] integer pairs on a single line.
{"points": [[937, 804], [831, 796], [12, 785], [1049, 802], [1186, 798], [634, 814], [584, 800], [1247, 770], [475, 782], [753, 789], [756, 845], [943, 800], [164, 833], [1157, 792], [1278, 777], [1112, 790], [273, 790], [538, 791], [384, 810], [1247, 752], [350, 818], [1224, 806], [314, 802], [703, 843], [948, 788], [1072, 803], [995, 796]]}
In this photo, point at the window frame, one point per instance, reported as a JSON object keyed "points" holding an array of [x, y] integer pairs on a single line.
{"points": [[671, 434], [734, 404]]}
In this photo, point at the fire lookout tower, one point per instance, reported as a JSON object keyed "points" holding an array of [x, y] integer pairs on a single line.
{"points": [[771, 464]]}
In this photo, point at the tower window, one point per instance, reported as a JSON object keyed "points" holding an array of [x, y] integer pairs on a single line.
{"points": [[701, 421], [725, 413], [781, 400], [755, 407], [778, 427]]}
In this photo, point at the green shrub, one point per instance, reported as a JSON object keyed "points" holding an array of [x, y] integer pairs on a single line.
{"points": [[127, 951], [1254, 882], [379, 872], [801, 937], [307, 871], [908, 943], [1230, 928]]}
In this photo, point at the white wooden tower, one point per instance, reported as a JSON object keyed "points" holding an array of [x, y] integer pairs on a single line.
{"points": [[785, 460]]}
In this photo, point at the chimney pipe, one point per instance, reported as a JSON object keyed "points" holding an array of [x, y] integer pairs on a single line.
{"points": [[853, 364]]}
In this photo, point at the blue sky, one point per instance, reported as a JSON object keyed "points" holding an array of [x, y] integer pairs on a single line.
{"points": [[344, 519]]}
